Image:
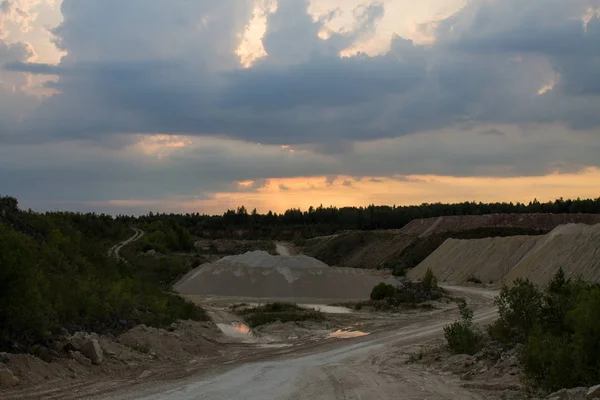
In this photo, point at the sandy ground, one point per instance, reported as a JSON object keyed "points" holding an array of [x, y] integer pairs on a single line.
{"points": [[365, 358], [367, 367]]}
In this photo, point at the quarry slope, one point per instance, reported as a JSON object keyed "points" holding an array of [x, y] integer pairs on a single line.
{"points": [[407, 247], [574, 247], [539, 222], [260, 275]]}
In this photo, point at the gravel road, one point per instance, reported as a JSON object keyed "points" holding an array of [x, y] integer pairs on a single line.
{"points": [[371, 367], [114, 251]]}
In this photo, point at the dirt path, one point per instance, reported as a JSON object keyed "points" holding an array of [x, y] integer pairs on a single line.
{"points": [[114, 251], [370, 367]]}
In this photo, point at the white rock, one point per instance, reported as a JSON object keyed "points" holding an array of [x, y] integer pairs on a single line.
{"points": [[92, 350]]}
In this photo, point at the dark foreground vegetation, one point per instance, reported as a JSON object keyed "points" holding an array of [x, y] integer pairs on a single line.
{"points": [[278, 312], [55, 273], [556, 328]]}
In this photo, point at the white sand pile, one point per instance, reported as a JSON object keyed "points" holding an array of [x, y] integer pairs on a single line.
{"points": [[261, 275], [574, 247], [266, 260]]}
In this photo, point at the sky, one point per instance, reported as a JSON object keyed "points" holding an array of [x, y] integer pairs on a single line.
{"points": [[200, 106]]}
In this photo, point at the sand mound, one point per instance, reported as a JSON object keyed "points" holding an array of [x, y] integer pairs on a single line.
{"points": [[266, 260], [261, 275], [574, 247]]}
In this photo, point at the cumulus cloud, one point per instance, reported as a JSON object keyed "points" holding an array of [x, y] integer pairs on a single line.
{"points": [[15, 105]]}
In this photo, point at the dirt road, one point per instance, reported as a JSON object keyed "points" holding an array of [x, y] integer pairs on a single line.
{"points": [[114, 251], [371, 367]]}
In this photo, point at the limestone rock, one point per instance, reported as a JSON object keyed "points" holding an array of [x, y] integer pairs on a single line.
{"points": [[92, 350], [80, 358], [76, 341]]}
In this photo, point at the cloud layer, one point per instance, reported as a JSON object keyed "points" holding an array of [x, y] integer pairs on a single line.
{"points": [[507, 88]]}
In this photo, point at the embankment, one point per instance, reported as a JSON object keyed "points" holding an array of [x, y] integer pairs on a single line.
{"points": [[574, 247]]}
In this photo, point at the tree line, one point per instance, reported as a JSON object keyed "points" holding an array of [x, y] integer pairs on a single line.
{"points": [[295, 223]]}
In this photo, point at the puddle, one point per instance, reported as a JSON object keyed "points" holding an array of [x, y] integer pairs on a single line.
{"points": [[339, 334], [327, 309], [319, 307], [236, 330]]}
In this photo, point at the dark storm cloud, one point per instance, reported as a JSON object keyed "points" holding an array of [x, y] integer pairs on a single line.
{"points": [[156, 73], [303, 92]]}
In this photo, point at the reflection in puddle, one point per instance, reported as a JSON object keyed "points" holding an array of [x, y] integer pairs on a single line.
{"points": [[346, 335], [236, 330]]}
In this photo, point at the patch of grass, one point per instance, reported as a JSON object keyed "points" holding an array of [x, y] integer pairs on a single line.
{"points": [[238, 306], [279, 312], [143, 348], [473, 279], [417, 355], [427, 353]]}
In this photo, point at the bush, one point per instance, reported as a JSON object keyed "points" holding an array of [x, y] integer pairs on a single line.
{"points": [[556, 357], [399, 271], [519, 310], [429, 280], [559, 327], [462, 336], [383, 291], [473, 279]]}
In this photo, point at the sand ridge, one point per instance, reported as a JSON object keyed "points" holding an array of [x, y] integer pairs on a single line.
{"points": [[574, 247]]}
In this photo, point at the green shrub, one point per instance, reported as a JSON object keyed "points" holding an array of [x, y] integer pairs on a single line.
{"points": [[429, 280], [566, 353], [519, 310], [383, 291], [462, 336], [559, 327]]}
